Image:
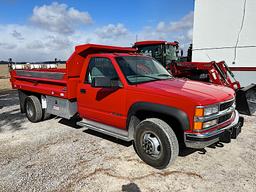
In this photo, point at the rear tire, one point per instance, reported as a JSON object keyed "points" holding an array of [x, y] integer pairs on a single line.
{"points": [[156, 143], [33, 109]]}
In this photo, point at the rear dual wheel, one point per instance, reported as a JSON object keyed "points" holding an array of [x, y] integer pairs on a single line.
{"points": [[34, 111], [156, 143]]}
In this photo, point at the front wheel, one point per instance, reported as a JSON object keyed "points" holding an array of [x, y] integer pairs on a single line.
{"points": [[33, 109], [156, 143]]}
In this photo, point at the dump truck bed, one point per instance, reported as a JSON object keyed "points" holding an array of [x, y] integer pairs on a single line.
{"points": [[54, 82]]}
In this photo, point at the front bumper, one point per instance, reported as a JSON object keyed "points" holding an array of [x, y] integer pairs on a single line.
{"points": [[224, 134]]}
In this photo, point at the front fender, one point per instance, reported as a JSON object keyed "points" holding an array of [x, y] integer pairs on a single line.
{"points": [[178, 114]]}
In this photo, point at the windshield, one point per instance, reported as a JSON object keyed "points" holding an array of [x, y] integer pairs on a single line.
{"points": [[171, 54], [139, 69]]}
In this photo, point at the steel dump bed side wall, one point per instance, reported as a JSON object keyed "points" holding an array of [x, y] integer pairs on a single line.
{"points": [[55, 82], [47, 82]]}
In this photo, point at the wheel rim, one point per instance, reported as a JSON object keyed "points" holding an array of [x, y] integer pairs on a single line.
{"points": [[29, 109], [151, 144]]}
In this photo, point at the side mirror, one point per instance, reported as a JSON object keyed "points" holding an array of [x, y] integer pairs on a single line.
{"points": [[104, 82]]}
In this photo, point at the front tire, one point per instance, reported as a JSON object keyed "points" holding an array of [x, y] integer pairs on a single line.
{"points": [[156, 143], [33, 109]]}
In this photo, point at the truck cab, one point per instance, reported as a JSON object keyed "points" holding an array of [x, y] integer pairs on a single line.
{"points": [[132, 97]]}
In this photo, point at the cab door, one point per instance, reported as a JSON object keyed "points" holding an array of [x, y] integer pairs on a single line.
{"points": [[103, 105]]}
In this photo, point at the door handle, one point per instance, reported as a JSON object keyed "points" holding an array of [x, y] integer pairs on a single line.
{"points": [[83, 91]]}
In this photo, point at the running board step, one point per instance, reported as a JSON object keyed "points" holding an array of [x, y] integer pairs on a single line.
{"points": [[105, 129]]}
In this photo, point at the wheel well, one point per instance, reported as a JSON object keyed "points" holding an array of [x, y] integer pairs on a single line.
{"points": [[170, 120]]}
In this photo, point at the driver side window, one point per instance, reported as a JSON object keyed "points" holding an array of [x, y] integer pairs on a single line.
{"points": [[100, 67]]}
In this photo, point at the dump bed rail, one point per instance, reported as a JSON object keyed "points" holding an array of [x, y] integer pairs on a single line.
{"points": [[41, 74]]}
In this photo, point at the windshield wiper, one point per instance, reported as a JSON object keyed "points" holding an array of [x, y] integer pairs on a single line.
{"points": [[146, 76], [164, 75]]}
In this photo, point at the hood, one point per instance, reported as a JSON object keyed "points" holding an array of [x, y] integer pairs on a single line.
{"points": [[202, 93]]}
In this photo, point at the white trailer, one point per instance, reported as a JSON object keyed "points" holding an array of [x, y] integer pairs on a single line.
{"points": [[226, 30]]}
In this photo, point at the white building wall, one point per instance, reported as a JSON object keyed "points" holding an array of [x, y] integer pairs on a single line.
{"points": [[217, 24]]}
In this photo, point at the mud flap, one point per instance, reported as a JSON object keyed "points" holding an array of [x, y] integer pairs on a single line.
{"points": [[246, 100]]}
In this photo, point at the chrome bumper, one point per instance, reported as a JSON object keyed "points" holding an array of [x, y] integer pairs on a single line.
{"points": [[202, 140]]}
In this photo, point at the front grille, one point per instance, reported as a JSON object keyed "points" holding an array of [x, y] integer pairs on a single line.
{"points": [[226, 105], [224, 118]]}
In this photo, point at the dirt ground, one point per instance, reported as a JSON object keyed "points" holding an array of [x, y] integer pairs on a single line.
{"points": [[5, 84], [4, 78], [4, 72], [55, 155]]}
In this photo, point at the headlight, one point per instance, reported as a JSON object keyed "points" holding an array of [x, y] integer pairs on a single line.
{"points": [[206, 111], [211, 110], [210, 123]]}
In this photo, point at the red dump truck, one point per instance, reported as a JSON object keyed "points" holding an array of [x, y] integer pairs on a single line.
{"points": [[132, 97]]}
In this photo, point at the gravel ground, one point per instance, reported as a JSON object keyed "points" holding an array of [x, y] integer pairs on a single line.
{"points": [[55, 156]]}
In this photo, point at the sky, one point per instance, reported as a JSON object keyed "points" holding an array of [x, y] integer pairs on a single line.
{"points": [[43, 30]]}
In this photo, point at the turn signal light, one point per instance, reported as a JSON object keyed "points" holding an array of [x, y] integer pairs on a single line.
{"points": [[199, 112], [198, 125]]}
